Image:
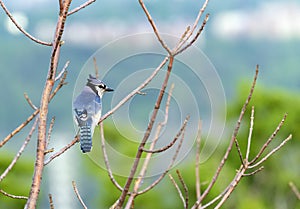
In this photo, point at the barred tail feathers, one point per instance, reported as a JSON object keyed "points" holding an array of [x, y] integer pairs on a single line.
{"points": [[85, 138]]}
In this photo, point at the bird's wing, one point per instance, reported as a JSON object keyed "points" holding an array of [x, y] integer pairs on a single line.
{"points": [[85, 108]]}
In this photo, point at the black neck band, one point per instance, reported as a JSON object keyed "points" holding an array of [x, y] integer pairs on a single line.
{"points": [[92, 87]]}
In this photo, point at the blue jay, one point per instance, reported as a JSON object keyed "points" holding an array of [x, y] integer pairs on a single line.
{"points": [[87, 110]]}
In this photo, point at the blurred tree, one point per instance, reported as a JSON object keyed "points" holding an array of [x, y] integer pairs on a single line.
{"points": [[269, 188]]}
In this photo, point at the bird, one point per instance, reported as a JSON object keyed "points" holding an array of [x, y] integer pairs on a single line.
{"points": [[87, 110]]}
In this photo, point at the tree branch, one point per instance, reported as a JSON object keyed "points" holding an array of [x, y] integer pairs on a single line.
{"points": [[62, 150], [78, 195], [135, 91], [146, 136], [20, 27], [161, 41], [41, 143], [81, 7], [233, 138], [18, 155], [13, 196]]}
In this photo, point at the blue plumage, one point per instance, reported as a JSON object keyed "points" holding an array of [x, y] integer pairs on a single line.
{"points": [[87, 110]]}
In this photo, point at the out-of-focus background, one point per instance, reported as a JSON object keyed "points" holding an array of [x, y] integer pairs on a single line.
{"points": [[239, 35]]}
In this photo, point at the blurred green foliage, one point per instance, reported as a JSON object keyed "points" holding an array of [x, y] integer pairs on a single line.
{"points": [[17, 181]]}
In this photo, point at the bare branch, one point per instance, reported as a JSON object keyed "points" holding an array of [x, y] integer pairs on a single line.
{"points": [[13, 196], [237, 127], [272, 152], [239, 150], [78, 195], [50, 131], [191, 31], [185, 189], [59, 76], [195, 38], [254, 172], [169, 167], [269, 140], [143, 170], [19, 128], [215, 199], [178, 189], [62, 150], [60, 84], [155, 30], [250, 134], [197, 162], [51, 201], [295, 190], [20, 27], [172, 142], [29, 101], [96, 67], [49, 151], [81, 7], [109, 171], [146, 135], [135, 91], [232, 185], [35, 113], [18, 155]]}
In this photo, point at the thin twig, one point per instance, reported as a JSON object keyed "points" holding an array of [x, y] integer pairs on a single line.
{"points": [[81, 7], [106, 161], [254, 172], [29, 101], [19, 128], [49, 151], [59, 76], [215, 199], [51, 201], [170, 144], [135, 91], [295, 190], [233, 185], [62, 150], [18, 155], [224, 159], [50, 131], [146, 135], [188, 28], [272, 152], [78, 195], [238, 148], [250, 134], [161, 41], [195, 37], [197, 162], [185, 189], [191, 31], [96, 67], [143, 170], [13, 196], [20, 27], [269, 140], [60, 84], [170, 165], [35, 113], [177, 188]]}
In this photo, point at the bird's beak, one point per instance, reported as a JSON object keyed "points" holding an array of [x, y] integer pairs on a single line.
{"points": [[108, 89]]}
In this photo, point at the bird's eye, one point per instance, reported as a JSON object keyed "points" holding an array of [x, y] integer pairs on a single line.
{"points": [[102, 86]]}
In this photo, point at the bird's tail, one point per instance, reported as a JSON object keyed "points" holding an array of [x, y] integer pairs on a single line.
{"points": [[85, 138]]}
